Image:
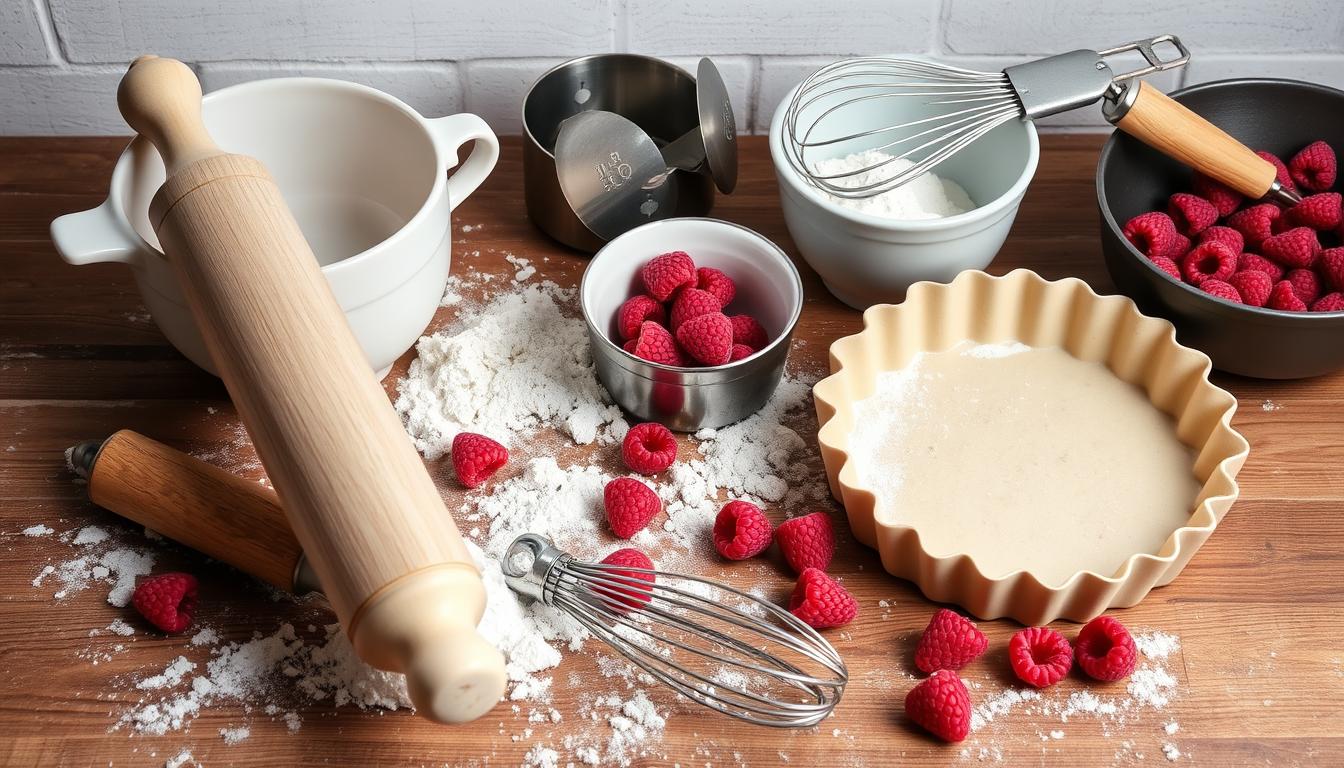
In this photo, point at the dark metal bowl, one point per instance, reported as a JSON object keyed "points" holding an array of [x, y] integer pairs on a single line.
{"points": [[1281, 116]]}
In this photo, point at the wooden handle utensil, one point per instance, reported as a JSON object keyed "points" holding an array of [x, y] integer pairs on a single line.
{"points": [[356, 494]]}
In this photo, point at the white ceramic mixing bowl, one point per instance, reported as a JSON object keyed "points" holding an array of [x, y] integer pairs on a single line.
{"points": [[865, 259], [365, 176]]}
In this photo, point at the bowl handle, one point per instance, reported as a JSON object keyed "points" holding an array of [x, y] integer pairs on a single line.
{"points": [[450, 133], [93, 236]]}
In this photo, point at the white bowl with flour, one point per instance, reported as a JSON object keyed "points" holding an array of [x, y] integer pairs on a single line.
{"points": [[870, 251]]}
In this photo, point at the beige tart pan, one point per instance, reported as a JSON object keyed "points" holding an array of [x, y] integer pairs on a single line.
{"points": [[1069, 558]]}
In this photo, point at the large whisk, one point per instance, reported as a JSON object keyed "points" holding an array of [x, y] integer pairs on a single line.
{"points": [[924, 113], [713, 644]]}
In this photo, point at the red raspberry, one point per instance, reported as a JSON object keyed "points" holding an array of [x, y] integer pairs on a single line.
{"points": [[741, 530], [1154, 234], [630, 345], [1209, 260], [1104, 650], [1306, 283], [1331, 264], [1281, 174], [1314, 167], [622, 599], [630, 505], [807, 541], [1253, 286], [691, 303], [1284, 297], [1225, 235], [717, 284], [635, 311], [167, 600], [1192, 214], [1168, 266], [649, 448], [476, 458], [664, 274], [1256, 223], [1260, 264], [1330, 302], [747, 331], [821, 602], [1040, 656], [941, 705], [1298, 247], [656, 345], [1180, 246], [1321, 212], [708, 338], [1215, 287], [1224, 198], [740, 351], [950, 641]]}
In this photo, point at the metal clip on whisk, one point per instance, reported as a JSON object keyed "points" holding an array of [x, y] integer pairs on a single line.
{"points": [[843, 109], [720, 647]]}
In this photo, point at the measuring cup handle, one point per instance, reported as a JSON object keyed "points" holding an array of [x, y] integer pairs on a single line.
{"points": [[450, 133], [93, 236]]}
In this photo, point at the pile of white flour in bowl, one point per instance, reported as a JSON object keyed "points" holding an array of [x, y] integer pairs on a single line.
{"points": [[927, 196]]}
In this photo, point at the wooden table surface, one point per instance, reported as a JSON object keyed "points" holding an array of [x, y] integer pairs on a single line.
{"points": [[1260, 672]]}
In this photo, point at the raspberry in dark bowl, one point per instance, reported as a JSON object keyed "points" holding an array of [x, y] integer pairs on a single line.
{"points": [[1282, 117]]}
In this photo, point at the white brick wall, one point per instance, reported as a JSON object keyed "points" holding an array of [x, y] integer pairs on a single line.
{"points": [[60, 59]]}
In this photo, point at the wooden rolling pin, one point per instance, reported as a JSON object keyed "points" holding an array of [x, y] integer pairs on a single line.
{"points": [[354, 490]]}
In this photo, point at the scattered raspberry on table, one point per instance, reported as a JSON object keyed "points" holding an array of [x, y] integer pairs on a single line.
{"points": [[941, 705], [950, 641], [627, 597], [807, 541], [629, 505], [1040, 656], [649, 448], [821, 602], [1105, 650], [741, 530], [476, 457], [167, 600]]}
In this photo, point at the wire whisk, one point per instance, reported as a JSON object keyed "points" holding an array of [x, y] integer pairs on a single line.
{"points": [[715, 645]]}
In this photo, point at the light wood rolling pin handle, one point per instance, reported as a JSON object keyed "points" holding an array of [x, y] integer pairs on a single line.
{"points": [[197, 504], [355, 491], [1165, 125]]}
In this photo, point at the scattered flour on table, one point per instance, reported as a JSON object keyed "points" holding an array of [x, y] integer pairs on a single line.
{"points": [[233, 736], [927, 196], [38, 530], [181, 760]]}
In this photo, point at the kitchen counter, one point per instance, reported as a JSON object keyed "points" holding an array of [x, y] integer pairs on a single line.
{"points": [[1259, 677]]}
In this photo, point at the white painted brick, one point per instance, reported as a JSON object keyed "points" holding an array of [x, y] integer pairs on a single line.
{"points": [[707, 27], [43, 100], [778, 77], [495, 90], [1053, 26], [21, 40], [431, 88], [204, 30], [1326, 70]]}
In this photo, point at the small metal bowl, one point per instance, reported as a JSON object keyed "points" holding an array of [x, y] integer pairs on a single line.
{"points": [[1281, 116], [687, 399]]}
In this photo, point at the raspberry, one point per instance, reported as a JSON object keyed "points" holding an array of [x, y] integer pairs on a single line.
{"points": [[1192, 214], [941, 705], [1154, 234], [623, 598], [821, 602], [1215, 287], [1253, 286], [1209, 260], [741, 530], [635, 311], [656, 345], [630, 345], [692, 303], [664, 274], [1306, 284], [1225, 235], [1330, 302], [1314, 167], [1284, 297], [1298, 247], [1255, 223], [1321, 212], [476, 458], [630, 505], [1167, 265], [649, 448], [708, 338], [740, 351], [167, 600], [716, 284], [807, 541], [950, 641], [1223, 197], [747, 331], [1104, 650], [1331, 264], [1040, 656], [1260, 264], [1281, 174]]}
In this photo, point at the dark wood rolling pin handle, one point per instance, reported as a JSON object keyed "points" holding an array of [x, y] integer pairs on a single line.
{"points": [[227, 517]]}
